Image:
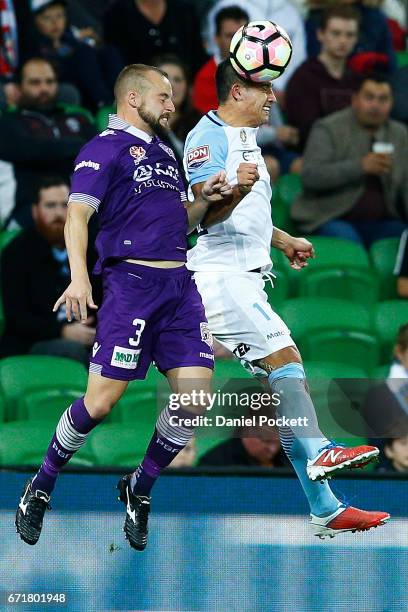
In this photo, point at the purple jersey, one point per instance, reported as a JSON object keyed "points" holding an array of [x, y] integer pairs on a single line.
{"points": [[134, 181]]}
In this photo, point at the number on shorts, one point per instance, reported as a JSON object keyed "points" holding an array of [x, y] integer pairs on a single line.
{"points": [[262, 311], [140, 325]]}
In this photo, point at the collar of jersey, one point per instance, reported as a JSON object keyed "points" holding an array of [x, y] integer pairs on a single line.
{"points": [[212, 115], [117, 123]]}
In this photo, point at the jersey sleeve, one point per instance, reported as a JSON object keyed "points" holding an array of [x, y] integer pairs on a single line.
{"points": [[92, 172], [205, 154]]}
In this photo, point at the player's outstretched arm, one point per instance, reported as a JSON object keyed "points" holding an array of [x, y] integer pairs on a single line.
{"points": [[78, 295], [247, 175], [297, 250], [214, 190]]}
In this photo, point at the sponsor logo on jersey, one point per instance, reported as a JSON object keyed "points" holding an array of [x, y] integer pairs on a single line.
{"points": [[168, 150], [87, 164], [138, 153], [95, 348], [123, 357], [207, 356], [198, 156], [107, 133], [206, 335], [243, 135], [275, 335], [241, 350]]}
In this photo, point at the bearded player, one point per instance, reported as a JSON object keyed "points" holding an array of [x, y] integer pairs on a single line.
{"points": [[232, 252], [151, 309]]}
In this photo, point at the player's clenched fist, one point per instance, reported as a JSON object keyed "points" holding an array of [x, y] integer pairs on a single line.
{"points": [[77, 297], [247, 175]]}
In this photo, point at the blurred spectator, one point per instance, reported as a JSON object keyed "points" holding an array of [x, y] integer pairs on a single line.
{"points": [[250, 446], [40, 137], [184, 117], [325, 78], [374, 48], [396, 451], [399, 83], [34, 272], [396, 13], [14, 16], [281, 12], [93, 71], [186, 457], [142, 28], [227, 22], [401, 266], [399, 368], [354, 172]]}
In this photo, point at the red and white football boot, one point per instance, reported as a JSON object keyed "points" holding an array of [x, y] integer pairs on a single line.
{"points": [[347, 518], [335, 457]]}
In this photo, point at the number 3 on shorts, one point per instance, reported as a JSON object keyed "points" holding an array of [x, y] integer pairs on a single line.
{"points": [[140, 325]]}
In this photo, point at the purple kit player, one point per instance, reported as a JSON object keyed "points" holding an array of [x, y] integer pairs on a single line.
{"points": [[151, 309]]}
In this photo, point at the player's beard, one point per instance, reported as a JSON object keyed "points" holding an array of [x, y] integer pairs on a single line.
{"points": [[152, 121]]}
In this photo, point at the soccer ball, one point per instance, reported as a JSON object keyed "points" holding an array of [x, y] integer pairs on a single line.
{"points": [[260, 51]]}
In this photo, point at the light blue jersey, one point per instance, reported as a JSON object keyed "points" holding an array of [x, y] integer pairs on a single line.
{"points": [[243, 241]]}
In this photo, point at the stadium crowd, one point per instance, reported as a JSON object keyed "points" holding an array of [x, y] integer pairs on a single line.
{"points": [[338, 133]]}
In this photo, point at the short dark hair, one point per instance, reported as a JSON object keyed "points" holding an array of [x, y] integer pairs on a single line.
{"points": [[341, 11], [225, 77], [35, 60], [235, 13], [46, 182], [378, 77], [171, 58]]}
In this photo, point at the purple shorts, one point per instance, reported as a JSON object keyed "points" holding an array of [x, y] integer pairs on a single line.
{"points": [[149, 314]]}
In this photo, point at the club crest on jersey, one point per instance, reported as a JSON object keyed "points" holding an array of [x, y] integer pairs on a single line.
{"points": [[138, 153], [206, 335], [197, 157], [243, 135], [167, 150]]}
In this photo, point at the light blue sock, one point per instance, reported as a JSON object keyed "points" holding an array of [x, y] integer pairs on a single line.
{"points": [[295, 401]]}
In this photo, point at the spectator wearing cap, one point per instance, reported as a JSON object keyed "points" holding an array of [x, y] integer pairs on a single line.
{"points": [[141, 29], [41, 137], [326, 79], [92, 70], [354, 172], [34, 271]]}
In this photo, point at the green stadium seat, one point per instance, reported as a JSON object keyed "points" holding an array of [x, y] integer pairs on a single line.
{"points": [[353, 284], [45, 404], [327, 370], [381, 371], [402, 58], [25, 443], [331, 254], [2, 409], [277, 291], [332, 329], [120, 445], [383, 254], [28, 373], [287, 188], [389, 316], [227, 369], [143, 399], [7, 236], [102, 117], [281, 215]]}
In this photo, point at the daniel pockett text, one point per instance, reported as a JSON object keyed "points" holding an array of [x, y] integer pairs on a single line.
{"points": [[249, 401]]}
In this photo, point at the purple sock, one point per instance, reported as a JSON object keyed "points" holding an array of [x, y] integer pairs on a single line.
{"points": [[71, 433], [167, 441]]}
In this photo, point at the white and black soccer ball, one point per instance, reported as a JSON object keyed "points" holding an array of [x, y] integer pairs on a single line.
{"points": [[260, 51]]}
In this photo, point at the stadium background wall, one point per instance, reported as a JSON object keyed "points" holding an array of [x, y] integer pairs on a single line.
{"points": [[218, 544]]}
